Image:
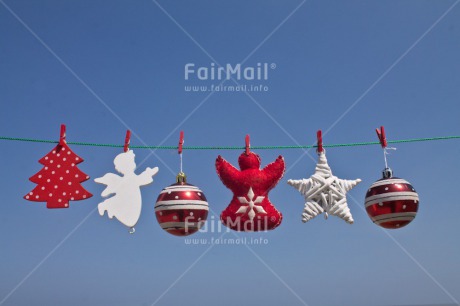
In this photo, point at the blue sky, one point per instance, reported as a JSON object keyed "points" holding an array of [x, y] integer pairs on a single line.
{"points": [[345, 67]]}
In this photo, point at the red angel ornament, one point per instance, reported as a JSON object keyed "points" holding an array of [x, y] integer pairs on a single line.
{"points": [[250, 209]]}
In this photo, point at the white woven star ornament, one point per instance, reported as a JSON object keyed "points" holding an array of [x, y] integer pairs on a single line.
{"points": [[325, 192]]}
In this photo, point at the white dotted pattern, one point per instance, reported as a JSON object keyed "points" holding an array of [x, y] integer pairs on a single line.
{"points": [[57, 165]]}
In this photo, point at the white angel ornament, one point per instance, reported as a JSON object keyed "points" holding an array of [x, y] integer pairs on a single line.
{"points": [[325, 192], [126, 202]]}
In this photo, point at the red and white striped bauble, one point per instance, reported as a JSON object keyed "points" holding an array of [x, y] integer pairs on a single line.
{"points": [[181, 209], [391, 202]]}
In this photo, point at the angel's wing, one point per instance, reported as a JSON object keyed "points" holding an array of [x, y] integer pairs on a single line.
{"points": [[111, 180], [228, 174], [274, 172]]}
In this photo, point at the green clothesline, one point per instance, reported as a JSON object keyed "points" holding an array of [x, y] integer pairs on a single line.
{"points": [[355, 144]]}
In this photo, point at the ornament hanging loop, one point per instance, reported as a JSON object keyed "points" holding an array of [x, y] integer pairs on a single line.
{"points": [[127, 141], [387, 172], [247, 144], [62, 135], [179, 149], [319, 142]]}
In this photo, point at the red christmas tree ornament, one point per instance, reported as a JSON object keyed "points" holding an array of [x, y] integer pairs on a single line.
{"points": [[391, 202], [250, 208], [181, 208], [60, 179]]}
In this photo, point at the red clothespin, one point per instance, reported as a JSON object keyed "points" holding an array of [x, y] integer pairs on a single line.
{"points": [[127, 141], [181, 142], [319, 137], [382, 137], [62, 135], [248, 144]]}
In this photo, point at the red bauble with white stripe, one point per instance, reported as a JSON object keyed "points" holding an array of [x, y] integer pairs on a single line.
{"points": [[391, 202], [181, 209]]}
